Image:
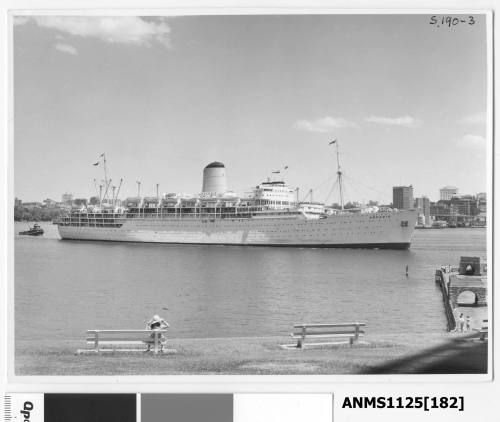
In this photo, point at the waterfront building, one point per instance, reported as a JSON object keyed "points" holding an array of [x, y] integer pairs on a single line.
{"points": [[50, 203], [402, 197], [32, 205], [67, 198], [464, 204], [459, 210], [444, 210], [18, 202], [448, 192], [79, 202], [423, 205], [481, 202]]}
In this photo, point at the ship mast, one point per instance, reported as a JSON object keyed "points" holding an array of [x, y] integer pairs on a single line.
{"points": [[107, 183], [105, 169], [118, 192], [105, 176], [339, 176]]}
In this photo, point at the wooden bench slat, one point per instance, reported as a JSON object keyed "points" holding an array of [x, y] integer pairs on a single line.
{"points": [[352, 324], [326, 335], [125, 331], [351, 331], [96, 339], [121, 338], [313, 333], [118, 342]]}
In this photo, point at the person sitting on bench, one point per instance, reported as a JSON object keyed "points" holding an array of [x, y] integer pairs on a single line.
{"points": [[157, 323]]}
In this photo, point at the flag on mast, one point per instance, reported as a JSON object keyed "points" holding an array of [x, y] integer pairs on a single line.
{"points": [[332, 142], [97, 162]]}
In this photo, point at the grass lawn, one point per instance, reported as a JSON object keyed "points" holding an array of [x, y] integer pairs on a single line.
{"points": [[229, 356]]}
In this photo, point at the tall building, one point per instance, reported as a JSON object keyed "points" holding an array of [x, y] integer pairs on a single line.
{"points": [[467, 205], [423, 205], [402, 197], [448, 192], [67, 198], [481, 202]]}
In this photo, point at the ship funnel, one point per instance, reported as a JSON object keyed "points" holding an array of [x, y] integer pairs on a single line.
{"points": [[214, 179]]}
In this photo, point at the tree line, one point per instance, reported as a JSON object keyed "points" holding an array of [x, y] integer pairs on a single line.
{"points": [[36, 214]]}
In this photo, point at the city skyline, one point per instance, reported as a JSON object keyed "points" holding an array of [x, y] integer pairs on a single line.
{"points": [[75, 197], [163, 97]]}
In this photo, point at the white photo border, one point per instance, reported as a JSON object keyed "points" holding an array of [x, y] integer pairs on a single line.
{"points": [[216, 383]]}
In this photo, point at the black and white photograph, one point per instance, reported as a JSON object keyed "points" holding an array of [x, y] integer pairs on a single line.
{"points": [[251, 194]]}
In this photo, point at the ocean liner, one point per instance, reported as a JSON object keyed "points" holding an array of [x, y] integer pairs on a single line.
{"points": [[269, 215]]}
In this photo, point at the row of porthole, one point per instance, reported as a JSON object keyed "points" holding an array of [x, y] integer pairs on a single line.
{"points": [[302, 230], [297, 228], [250, 222], [272, 231]]}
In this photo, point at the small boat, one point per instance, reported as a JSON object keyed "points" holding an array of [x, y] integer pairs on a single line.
{"points": [[36, 230]]}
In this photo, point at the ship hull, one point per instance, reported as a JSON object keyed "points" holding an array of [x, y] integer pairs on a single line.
{"points": [[377, 230]]}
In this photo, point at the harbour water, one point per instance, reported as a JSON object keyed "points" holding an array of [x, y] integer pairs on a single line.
{"points": [[63, 288]]}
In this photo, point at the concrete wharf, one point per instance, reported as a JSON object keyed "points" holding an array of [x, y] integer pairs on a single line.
{"points": [[465, 291]]}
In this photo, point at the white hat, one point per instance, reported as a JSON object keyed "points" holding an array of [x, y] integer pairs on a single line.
{"points": [[156, 318]]}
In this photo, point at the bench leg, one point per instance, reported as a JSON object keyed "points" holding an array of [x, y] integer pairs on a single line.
{"points": [[156, 343], [356, 334], [300, 341]]}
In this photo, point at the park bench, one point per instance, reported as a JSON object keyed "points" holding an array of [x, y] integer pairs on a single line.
{"points": [[352, 331], [123, 340], [483, 332]]}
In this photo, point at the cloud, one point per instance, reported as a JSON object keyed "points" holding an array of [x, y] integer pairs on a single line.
{"points": [[477, 118], [323, 124], [111, 29], [66, 48], [404, 121], [474, 141]]}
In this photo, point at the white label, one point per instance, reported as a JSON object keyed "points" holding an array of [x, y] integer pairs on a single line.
{"points": [[26, 407]]}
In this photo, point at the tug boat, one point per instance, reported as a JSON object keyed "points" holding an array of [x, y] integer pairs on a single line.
{"points": [[36, 230]]}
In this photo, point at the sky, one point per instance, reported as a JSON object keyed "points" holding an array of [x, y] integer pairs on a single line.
{"points": [[164, 96]]}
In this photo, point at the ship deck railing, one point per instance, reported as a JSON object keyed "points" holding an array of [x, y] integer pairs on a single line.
{"points": [[84, 217]]}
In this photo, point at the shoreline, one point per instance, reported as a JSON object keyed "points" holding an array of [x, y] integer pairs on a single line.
{"points": [[388, 353]]}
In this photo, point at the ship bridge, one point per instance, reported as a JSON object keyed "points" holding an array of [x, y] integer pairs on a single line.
{"points": [[274, 194]]}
